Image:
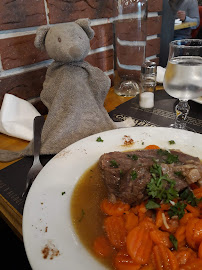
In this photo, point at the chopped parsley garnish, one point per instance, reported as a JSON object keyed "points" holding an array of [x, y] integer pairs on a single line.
{"points": [[178, 173], [171, 142], [188, 196], [133, 175], [152, 205], [173, 241], [161, 186], [114, 164], [133, 157], [169, 158], [82, 215], [177, 210], [63, 192], [99, 139], [121, 173]]}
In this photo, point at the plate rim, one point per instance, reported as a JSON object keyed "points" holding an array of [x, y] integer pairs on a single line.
{"points": [[80, 142]]}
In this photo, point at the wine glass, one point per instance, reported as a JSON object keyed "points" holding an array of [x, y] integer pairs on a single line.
{"points": [[183, 76]]}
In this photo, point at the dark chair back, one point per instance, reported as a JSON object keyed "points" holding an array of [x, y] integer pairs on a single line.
{"points": [[195, 31]]}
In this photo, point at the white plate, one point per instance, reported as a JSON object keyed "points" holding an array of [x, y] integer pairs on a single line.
{"points": [[46, 217], [198, 100]]}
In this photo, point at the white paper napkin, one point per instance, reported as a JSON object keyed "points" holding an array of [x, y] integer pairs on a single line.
{"points": [[160, 74], [16, 117], [177, 21]]}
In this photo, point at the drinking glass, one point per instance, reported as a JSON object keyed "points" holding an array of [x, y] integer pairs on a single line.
{"points": [[183, 76], [130, 36]]}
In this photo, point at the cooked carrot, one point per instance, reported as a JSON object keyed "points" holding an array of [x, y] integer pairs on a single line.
{"points": [[123, 261], [200, 206], [142, 211], [115, 230], [148, 224], [114, 209], [152, 146], [159, 219], [141, 216], [180, 234], [194, 232], [159, 237], [186, 218], [190, 227], [165, 206], [139, 245], [164, 258], [135, 209], [102, 246], [194, 264], [184, 254], [198, 192], [132, 232], [194, 210], [200, 251], [131, 221], [182, 244], [150, 266], [142, 208], [149, 213], [198, 232]]}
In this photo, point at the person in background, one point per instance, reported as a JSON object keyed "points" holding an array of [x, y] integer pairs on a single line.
{"points": [[186, 11]]}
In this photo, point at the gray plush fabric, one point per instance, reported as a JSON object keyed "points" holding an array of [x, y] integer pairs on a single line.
{"points": [[73, 90], [75, 111]]}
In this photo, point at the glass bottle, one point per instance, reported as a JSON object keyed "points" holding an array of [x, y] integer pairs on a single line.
{"points": [[130, 30]]}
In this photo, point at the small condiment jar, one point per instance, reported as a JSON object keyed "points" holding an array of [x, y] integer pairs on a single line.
{"points": [[148, 84]]}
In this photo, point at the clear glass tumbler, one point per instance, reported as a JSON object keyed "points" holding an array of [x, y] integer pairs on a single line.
{"points": [[130, 29]]}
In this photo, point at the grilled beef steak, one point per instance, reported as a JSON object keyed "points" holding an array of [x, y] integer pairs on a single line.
{"points": [[126, 174]]}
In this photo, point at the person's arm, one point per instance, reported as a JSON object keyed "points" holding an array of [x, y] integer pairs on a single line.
{"points": [[192, 14]]}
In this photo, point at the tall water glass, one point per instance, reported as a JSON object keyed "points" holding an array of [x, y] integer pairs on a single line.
{"points": [[183, 76], [130, 30]]}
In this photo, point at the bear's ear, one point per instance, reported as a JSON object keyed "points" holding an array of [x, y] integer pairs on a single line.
{"points": [[39, 41], [85, 24]]}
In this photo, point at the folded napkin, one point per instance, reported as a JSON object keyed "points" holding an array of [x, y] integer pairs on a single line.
{"points": [[16, 117], [160, 74]]}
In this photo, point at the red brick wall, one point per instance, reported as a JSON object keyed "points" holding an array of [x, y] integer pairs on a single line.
{"points": [[23, 67]]}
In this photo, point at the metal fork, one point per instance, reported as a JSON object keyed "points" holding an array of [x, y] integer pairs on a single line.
{"points": [[36, 166]]}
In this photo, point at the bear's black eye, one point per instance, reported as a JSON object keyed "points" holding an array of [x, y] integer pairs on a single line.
{"points": [[59, 39]]}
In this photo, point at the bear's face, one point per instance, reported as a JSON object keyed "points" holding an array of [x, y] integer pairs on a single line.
{"points": [[67, 43]]}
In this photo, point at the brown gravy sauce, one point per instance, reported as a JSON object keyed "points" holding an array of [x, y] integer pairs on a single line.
{"points": [[86, 215]]}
